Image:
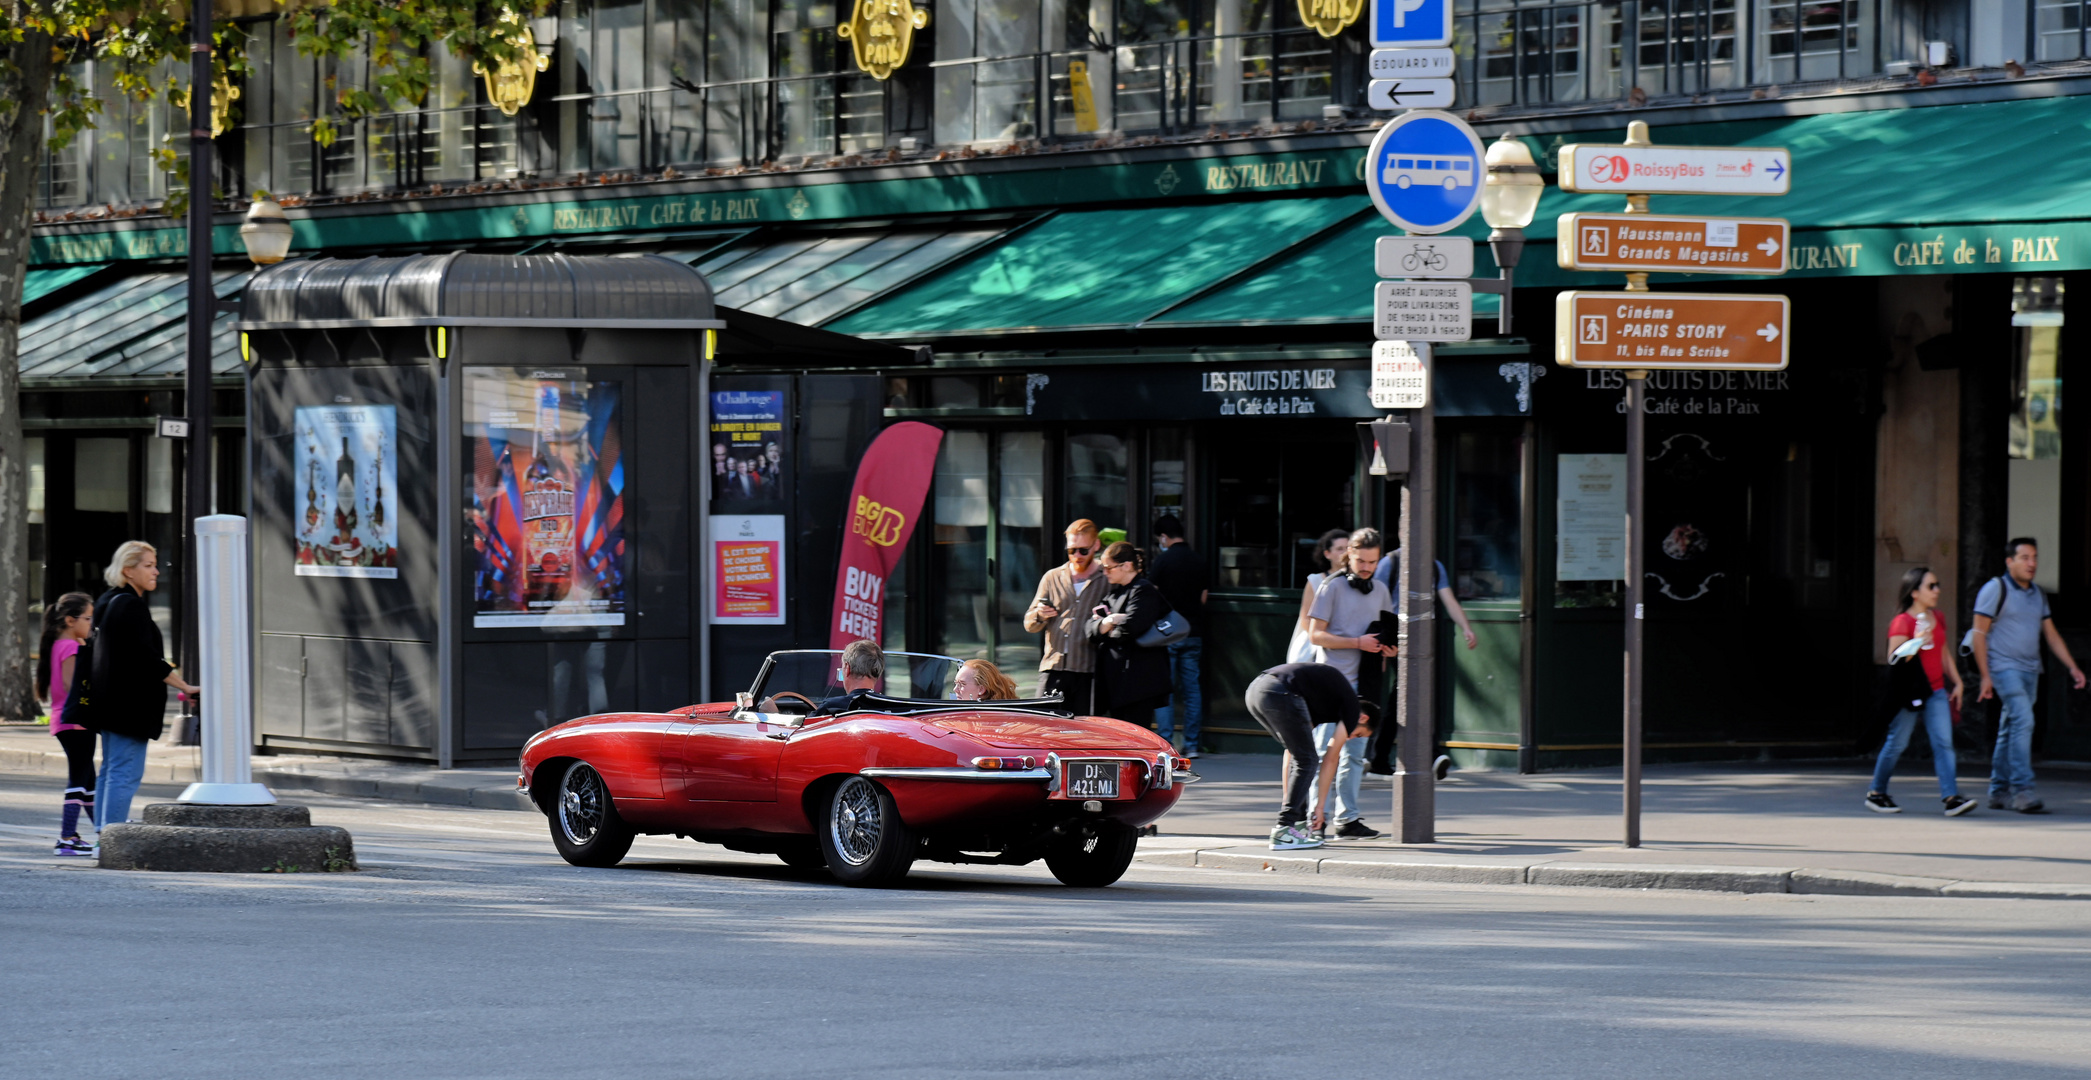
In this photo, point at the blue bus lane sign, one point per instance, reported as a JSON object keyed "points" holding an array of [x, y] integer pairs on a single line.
{"points": [[1425, 171]]}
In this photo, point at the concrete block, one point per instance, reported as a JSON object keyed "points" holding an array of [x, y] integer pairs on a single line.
{"points": [[312, 849], [2017, 890], [1744, 879], [1179, 857], [500, 799], [1454, 873], [1857, 883], [196, 815], [443, 794], [1249, 860]]}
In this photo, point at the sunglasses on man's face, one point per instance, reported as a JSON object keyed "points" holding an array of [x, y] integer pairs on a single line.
{"points": [[1078, 551]]}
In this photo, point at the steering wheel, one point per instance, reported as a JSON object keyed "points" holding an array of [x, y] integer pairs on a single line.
{"points": [[812, 706]]}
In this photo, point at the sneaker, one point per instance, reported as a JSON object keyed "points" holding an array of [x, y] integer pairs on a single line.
{"points": [[1998, 802], [1441, 767], [74, 847], [2025, 802], [1879, 803], [1292, 838], [1958, 805], [1357, 830], [1191, 752]]}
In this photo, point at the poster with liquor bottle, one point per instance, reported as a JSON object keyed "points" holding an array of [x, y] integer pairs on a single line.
{"points": [[545, 498], [347, 462]]}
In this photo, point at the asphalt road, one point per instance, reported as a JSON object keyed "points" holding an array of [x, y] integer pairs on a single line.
{"points": [[467, 949]]}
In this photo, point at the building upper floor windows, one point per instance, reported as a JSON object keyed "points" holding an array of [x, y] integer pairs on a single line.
{"points": [[637, 86]]}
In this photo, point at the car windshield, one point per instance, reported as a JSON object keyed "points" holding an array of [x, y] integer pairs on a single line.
{"points": [[812, 672]]}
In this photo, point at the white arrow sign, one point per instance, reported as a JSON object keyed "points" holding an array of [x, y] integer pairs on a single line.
{"points": [[1769, 247], [1768, 332], [1390, 94], [1412, 64]]}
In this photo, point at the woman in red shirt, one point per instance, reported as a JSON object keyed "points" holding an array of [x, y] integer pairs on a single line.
{"points": [[1920, 620]]}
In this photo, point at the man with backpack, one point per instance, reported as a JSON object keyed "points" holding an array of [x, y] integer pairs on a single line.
{"points": [[2011, 618]]}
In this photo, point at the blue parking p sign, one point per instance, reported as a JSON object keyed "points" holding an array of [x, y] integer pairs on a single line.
{"points": [[1412, 24], [1425, 171]]}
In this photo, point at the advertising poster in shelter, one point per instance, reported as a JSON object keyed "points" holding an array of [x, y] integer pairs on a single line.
{"points": [[748, 567], [347, 462], [747, 451], [545, 509]]}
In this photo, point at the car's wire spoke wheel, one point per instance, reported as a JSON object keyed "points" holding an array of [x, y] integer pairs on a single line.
{"points": [[586, 827], [857, 821], [1095, 858], [582, 801], [862, 837]]}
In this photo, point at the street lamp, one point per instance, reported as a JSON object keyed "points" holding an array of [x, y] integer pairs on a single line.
{"points": [[267, 232], [1509, 200]]}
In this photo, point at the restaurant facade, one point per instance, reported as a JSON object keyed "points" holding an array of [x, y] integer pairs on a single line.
{"points": [[1159, 302]]}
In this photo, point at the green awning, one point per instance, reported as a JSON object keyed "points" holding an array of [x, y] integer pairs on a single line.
{"points": [[1886, 191], [1091, 268], [37, 284], [1329, 280]]}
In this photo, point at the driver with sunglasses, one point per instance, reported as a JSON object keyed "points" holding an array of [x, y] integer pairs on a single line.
{"points": [[1065, 595]]}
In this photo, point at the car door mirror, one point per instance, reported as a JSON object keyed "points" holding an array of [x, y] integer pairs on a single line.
{"points": [[744, 700]]}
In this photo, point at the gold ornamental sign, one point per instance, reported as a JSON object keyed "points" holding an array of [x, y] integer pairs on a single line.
{"points": [[1329, 17], [510, 85], [883, 31]]}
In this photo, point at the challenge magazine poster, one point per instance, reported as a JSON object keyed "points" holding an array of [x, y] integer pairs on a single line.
{"points": [[545, 510], [347, 476]]}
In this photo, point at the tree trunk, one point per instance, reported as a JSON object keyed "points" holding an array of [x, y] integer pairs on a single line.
{"points": [[24, 88]]}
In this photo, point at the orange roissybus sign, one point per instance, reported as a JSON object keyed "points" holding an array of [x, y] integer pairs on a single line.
{"points": [[1670, 331], [1664, 242]]}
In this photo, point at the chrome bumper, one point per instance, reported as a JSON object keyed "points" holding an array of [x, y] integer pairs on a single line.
{"points": [[956, 772]]}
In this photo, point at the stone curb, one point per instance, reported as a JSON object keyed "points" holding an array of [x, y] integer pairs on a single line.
{"points": [[1731, 879], [436, 790]]}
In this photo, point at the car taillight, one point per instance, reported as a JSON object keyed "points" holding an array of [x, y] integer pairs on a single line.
{"points": [[1005, 763]]}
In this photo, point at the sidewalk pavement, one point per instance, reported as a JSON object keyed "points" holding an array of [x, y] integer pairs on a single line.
{"points": [[1727, 827], [31, 749], [1731, 827]]}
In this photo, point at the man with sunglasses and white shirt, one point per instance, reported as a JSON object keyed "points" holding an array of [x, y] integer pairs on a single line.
{"points": [[1065, 595]]}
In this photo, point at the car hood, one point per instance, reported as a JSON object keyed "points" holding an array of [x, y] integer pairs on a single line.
{"points": [[1052, 733]]}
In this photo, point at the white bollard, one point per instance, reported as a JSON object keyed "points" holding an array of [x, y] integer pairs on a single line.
{"points": [[222, 650]]}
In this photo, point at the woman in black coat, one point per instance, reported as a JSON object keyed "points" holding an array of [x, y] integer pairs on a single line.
{"points": [[127, 686], [1131, 682]]}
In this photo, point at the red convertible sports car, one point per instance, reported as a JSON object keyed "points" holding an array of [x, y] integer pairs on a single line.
{"points": [[863, 783]]}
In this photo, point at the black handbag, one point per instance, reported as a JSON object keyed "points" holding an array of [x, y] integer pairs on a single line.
{"points": [[1908, 686]]}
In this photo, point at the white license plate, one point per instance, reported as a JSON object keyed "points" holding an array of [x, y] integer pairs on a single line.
{"points": [[1091, 780]]}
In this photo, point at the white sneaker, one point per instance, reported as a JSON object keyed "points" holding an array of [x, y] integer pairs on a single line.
{"points": [[1292, 838]]}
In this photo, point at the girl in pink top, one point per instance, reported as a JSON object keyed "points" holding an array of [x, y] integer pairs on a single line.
{"points": [[66, 624]]}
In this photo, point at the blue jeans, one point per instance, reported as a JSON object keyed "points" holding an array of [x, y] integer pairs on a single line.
{"points": [[1938, 725], [123, 766], [2011, 767], [1345, 792], [1186, 659]]}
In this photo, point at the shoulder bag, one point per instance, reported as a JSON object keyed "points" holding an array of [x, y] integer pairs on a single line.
{"points": [[1167, 630]]}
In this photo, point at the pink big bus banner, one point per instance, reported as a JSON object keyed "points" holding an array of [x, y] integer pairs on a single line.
{"points": [[892, 481]]}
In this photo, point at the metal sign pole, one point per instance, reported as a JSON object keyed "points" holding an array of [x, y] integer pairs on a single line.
{"points": [[1415, 795], [203, 311], [1636, 474]]}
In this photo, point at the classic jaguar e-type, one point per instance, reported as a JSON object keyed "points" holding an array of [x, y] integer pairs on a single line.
{"points": [[864, 783]]}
